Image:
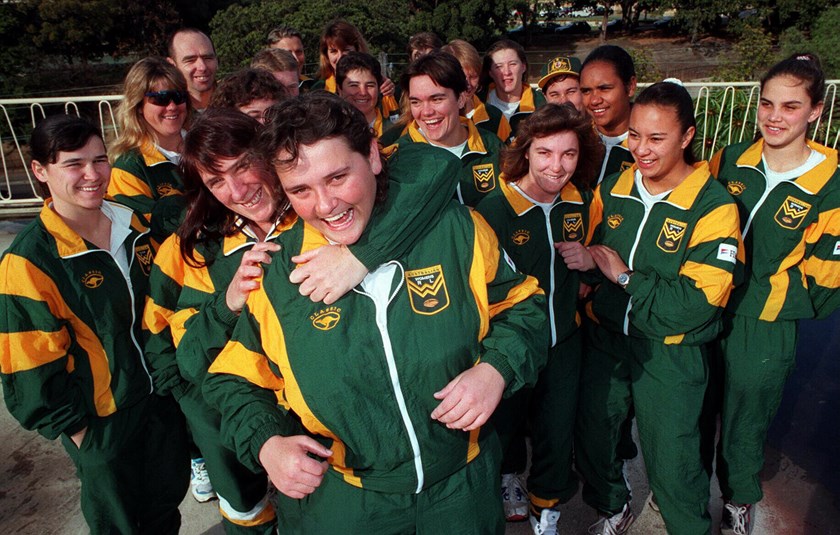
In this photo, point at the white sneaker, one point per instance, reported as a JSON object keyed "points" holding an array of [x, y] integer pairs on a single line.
{"points": [[202, 489], [514, 498], [617, 524], [547, 524], [737, 519]]}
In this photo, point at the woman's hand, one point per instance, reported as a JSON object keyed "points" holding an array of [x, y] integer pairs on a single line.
{"points": [[244, 280], [470, 398], [387, 88], [609, 262], [575, 255], [327, 273], [289, 466]]}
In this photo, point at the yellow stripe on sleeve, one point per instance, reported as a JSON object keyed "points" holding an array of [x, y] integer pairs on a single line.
{"points": [[155, 317], [715, 282], [29, 349], [125, 183], [36, 285], [720, 223]]}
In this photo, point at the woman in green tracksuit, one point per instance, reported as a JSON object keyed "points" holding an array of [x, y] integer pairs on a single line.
{"points": [[368, 414], [203, 276], [151, 117], [504, 79], [665, 236], [540, 215], [71, 358], [787, 189]]}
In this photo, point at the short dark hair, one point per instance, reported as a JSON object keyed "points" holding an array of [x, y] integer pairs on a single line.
{"points": [[170, 41], [247, 85], [59, 133], [282, 32], [313, 117], [357, 61], [216, 133], [676, 97], [548, 120], [423, 40], [443, 68], [616, 56], [804, 67]]}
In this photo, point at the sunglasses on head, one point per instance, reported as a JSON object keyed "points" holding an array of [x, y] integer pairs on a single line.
{"points": [[163, 98]]}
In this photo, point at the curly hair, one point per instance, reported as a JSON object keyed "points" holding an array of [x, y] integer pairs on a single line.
{"points": [[548, 120], [247, 85]]}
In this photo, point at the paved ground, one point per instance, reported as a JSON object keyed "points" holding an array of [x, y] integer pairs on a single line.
{"points": [[801, 477]]}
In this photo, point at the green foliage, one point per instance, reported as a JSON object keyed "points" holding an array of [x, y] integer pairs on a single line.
{"points": [[724, 116], [646, 68], [824, 41], [752, 54], [240, 31]]}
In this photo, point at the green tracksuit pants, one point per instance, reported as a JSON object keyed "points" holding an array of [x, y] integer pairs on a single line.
{"points": [[548, 410], [467, 502], [666, 384], [242, 494], [134, 469], [753, 359]]}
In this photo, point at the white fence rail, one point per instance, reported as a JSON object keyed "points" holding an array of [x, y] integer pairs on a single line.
{"points": [[725, 114]]}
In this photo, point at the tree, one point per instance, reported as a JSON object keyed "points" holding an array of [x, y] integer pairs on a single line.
{"points": [[73, 29]]}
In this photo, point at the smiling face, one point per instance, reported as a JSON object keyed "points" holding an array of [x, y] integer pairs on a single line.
{"points": [[552, 161], [243, 187], [606, 98], [507, 71], [436, 110], [194, 56], [785, 111], [562, 89], [164, 121], [78, 179], [332, 187], [657, 143], [361, 89]]}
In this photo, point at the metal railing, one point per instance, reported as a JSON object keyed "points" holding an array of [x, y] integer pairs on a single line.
{"points": [[725, 114]]}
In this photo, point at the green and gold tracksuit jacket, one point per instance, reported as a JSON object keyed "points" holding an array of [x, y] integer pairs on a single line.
{"points": [[528, 234], [791, 234], [145, 181], [480, 168], [360, 375], [528, 104], [187, 302], [683, 253], [617, 160], [71, 341], [492, 119]]}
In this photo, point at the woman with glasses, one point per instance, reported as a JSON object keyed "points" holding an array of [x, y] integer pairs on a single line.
{"points": [[146, 154]]}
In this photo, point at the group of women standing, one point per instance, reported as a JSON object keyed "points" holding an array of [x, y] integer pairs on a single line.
{"points": [[674, 286]]}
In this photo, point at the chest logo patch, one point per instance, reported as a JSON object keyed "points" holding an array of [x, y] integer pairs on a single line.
{"points": [[166, 189], [326, 319], [427, 290], [614, 221], [145, 256], [93, 279], [484, 177], [520, 237], [791, 213], [671, 235], [572, 227], [735, 188]]}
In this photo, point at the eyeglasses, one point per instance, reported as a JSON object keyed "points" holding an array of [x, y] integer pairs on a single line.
{"points": [[163, 98]]}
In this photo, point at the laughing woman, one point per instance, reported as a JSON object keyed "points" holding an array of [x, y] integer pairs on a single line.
{"points": [[151, 117], [787, 190], [666, 241]]}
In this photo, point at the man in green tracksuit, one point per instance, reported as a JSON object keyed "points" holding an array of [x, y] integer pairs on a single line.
{"points": [[391, 384], [646, 341], [792, 243], [71, 359]]}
